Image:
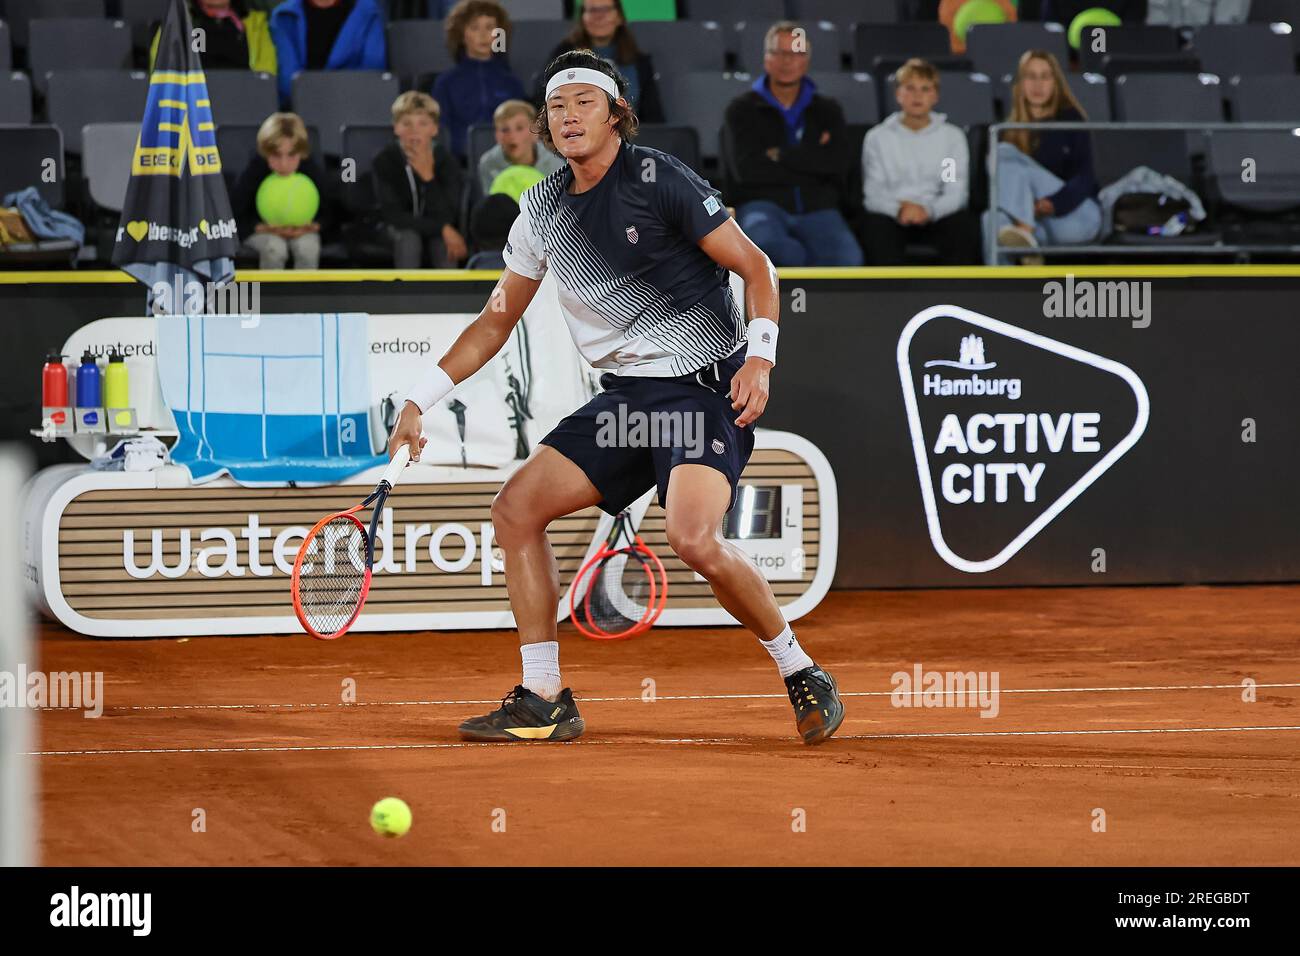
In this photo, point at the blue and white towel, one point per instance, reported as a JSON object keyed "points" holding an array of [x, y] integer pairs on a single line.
{"points": [[268, 400]]}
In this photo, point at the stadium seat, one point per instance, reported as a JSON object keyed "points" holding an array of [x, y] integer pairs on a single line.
{"points": [[534, 9], [699, 100], [1274, 11], [142, 17], [730, 12], [332, 99], [825, 39], [872, 40], [1129, 38], [1114, 65], [19, 13], [15, 99], [1090, 89], [1276, 157], [417, 46], [241, 97], [76, 43], [363, 142], [6, 54], [844, 15], [78, 97], [855, 92], [1156, 98], [106, 153], [996, 48], [680, 141], [530, 48], [482, 137], [1245, 48], [679, 45], [26, 149], [965, 98], [1265, 99]]}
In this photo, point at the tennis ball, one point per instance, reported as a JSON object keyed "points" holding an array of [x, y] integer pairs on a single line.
{"points": [[390, 817], [291, 200], [976, 11], [1092, 17], [513, 180]]}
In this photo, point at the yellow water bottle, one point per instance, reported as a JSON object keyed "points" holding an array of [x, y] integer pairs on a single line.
{"points": [[116, 387]]}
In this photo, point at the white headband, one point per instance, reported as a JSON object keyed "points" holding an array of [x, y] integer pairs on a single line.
{"points": [[581, 74]]}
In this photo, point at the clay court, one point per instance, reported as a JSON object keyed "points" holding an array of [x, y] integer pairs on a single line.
{"points": [[1125, 699]]}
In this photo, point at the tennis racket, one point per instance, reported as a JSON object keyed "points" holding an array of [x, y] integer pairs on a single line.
{"points": [[331, 575], [620, 591]]}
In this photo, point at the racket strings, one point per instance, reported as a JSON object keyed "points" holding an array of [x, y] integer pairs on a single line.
{"points": [[333, 575], [621, 592]]}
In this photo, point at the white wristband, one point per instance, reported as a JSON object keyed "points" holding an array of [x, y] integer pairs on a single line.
{"points": [[762, 334], [432, 388]]}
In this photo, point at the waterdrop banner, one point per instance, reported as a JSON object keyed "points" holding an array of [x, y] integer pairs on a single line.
{"points": [[269, 400]]}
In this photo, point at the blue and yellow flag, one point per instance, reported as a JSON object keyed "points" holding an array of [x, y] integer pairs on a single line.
{"points": [[177, 226]]}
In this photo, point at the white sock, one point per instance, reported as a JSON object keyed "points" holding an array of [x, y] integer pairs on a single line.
{"points": [[787, 653], [542, 668]]}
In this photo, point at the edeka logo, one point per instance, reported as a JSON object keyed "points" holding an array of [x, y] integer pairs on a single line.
{"points": [[1009, 433]]}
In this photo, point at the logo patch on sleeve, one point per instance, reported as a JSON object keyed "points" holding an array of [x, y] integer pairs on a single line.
{"points": [[711, 205]]}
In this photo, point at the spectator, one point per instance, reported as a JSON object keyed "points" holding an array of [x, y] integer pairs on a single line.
{"points": [[282, 150], [238, 37], [1064, 11], [1196, 13], [327, 35], [517, 144], [602, 27], [1046, 188], [948, 13], [916, 176], [489, 225], [791, 157], [419, 188], [477, 32]]}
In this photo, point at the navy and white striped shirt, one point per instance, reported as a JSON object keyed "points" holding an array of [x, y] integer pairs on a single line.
{"points": [[639, 295]]}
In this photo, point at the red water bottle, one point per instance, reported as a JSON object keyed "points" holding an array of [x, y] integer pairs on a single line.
{"points": [[54, 381]]}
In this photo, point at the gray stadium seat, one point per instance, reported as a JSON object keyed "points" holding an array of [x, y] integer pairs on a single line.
{"points": [[1126, 39], [106, 153], [996, 48], [1093, 93], [680, 45], [78, 97], [855, 92], [699, 100], [6, 56], [362, 143], [965, 98], [731, 12], [15, 99], [241, 97], [1155, 98], [332, 99], [846, 14], [871, 40], [482, 137], [534, 9], [1265, 99], [826, 39], [142, 16], [1274, 11], [1244, 48], [680, 141], [1276, 156], [19, 13], [77, 43], [26, 150], [417, 46], [530, 48]]}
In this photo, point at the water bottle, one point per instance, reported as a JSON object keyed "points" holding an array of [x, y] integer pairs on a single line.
{"points": [[54, 381], [116, 390], [88, 382]]}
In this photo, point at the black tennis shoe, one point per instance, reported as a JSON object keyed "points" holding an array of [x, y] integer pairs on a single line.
{"points": [[818, 710], [524, 715]]}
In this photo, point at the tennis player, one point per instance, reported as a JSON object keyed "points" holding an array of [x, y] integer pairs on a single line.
{"points": [[641, 247]]}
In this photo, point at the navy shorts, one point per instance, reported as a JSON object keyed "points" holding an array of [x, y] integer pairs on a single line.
{"points": [[633, 434]]}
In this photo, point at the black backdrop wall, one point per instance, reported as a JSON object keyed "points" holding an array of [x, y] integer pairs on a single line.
{"points": [[1191, 501]]}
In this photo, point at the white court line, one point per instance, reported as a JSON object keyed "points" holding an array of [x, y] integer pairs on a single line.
{"points": [[590, 700], [705, 741]]}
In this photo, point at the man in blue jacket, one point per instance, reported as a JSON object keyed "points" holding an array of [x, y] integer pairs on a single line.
{"points": [[327, 35]]}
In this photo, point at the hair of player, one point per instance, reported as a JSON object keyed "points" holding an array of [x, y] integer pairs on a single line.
{"points": [[627, 124]]}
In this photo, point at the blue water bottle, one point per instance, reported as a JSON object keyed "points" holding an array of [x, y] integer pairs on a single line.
{"points": [[88, 382]]}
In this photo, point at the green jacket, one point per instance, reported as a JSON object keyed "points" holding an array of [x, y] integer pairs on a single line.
{"points": [[261, 51]]}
